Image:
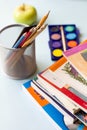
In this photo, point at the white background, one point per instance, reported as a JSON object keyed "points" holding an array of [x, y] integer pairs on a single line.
{"points": [[17, 112]]}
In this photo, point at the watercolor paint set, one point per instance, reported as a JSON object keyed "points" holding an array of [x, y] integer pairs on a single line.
{"points": [[61, 38]]}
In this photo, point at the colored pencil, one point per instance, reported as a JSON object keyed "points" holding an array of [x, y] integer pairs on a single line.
{"points": [[19, 41], [26, 37], [29, 41], [34, 36]]}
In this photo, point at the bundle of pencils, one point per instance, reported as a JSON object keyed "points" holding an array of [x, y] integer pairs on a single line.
{"points": [[25, 40], [29, 36]]}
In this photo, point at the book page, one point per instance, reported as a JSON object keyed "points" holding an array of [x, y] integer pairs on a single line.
{"points": [[78, 58], [71, 77]]}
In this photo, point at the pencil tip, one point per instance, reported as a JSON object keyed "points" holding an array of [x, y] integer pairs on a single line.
{"points": [[48, 12]]}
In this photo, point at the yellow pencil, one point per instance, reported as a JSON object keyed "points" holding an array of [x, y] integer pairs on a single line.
{"points": [[34, 29], [43, 20]]}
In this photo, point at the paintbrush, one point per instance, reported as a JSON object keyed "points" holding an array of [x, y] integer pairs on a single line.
{"points": [[63, 38]]}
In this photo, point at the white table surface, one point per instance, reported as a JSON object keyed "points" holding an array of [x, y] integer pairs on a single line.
{"points": [[17, 111]]}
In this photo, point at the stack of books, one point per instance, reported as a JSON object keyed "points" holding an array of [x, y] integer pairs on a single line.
{"points": [[61, 89]]}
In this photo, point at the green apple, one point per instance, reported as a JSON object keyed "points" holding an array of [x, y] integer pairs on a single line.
{"points": [[26, 14]]}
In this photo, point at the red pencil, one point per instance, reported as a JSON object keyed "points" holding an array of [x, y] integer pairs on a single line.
{"points": [[26, 37]]}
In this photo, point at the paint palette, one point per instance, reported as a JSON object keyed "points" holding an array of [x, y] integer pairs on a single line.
{"points": [[61, 38]]}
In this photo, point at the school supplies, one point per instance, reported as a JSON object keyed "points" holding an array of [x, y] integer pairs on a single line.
{"points": [[34, 35], [26, 38], [14, 57], [55, 116], [37, 85], [51, 87], [35, 31], [56, 81], [66, 84], [61, 38], [61, 105]]}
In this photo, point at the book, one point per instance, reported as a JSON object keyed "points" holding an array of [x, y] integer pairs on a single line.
{"points": [[41, 103], [58, 80], [50, 111], [77, 127], [77, 56], [53, 100], [65, 103]]}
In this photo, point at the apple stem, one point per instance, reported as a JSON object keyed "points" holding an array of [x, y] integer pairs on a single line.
{"points": [[23, 7]]}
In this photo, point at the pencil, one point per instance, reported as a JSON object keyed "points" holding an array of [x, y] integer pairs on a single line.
{"points": [[63, 38], [43, 20], [29, 37], [19, 41], [16, 58], [26, 37], [34, 36], [34, 29]]}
